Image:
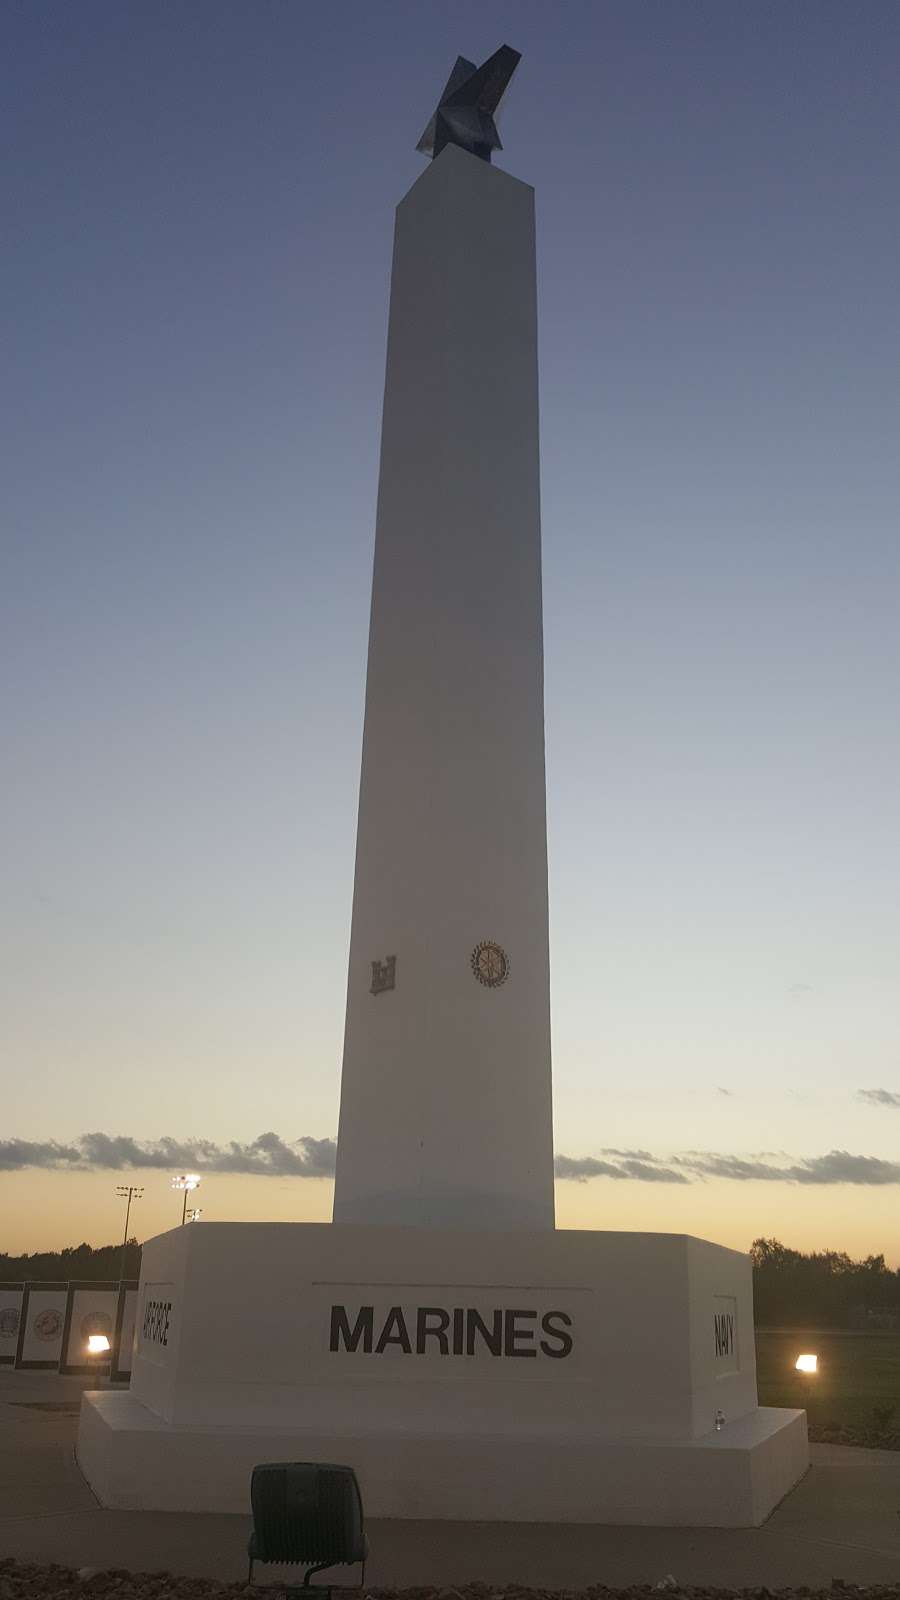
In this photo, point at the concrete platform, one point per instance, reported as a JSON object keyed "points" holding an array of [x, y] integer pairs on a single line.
{"points": [[841, 1521], [135, 1461], [512, 1375]]}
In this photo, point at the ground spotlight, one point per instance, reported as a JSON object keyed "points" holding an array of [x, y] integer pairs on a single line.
{"points": [[98, 1344], [807, 1363]]}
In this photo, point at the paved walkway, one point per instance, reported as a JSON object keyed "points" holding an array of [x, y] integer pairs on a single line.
{"points": [[842, 1521]]}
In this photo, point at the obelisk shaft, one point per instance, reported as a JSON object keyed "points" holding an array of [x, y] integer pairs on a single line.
{"points": [[446, 1095]]}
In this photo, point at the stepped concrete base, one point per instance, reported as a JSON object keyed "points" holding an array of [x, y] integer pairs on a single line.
{"points": [[135, 1461], [528, 1376]]}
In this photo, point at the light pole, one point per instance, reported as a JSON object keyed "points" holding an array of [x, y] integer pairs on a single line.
{"points": [[186, 1181], [130, 1192]]}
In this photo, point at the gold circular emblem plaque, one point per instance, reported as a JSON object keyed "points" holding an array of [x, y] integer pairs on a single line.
{"points": [[490, 964]]}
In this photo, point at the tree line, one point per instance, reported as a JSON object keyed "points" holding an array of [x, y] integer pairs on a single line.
{"points": [[107, 1262], [825, 1288]]}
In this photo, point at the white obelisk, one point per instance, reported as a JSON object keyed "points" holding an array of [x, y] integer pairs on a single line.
{"points": [[394, 1347], [446, 1097]]}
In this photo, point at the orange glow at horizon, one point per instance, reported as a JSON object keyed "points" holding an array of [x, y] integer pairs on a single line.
{"points": [[52, 1210]]}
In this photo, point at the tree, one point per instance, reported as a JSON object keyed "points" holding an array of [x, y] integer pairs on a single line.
{"points": [[826, 1287], [75, 1261]]}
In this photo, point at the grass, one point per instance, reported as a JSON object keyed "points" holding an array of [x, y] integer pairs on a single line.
{"points": [[858, 1376]]}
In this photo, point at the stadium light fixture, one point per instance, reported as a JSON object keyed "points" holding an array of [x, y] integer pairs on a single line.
{"points": [[187, 1181]]}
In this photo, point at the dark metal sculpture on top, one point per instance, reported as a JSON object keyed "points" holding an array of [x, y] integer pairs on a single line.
{"points": [[465, 113]]}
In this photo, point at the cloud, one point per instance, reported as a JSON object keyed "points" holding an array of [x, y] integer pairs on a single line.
{"points": [[16, 1153], [266, 1156], [303, 1158], [642, 1166], [841, 1167], [580, 1168], [878, 1097], [270, 1156], [651, 1174], [740, 1168], [837, 1166]]}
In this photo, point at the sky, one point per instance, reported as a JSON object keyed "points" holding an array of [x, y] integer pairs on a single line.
{"points": [[199, 209]]}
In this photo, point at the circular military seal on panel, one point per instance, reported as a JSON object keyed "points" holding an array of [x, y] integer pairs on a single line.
{"points": [[95, 1322], [47, 1325], [490, 964], [9, 1322]]}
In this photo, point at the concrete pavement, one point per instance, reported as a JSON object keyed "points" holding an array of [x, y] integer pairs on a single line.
{"points": [[842, 1521]]}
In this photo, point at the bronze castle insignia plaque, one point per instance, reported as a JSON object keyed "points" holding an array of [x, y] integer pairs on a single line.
{"points": [[384, 975]]}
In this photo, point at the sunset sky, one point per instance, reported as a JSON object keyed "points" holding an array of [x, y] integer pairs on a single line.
{"points": [[200, 207]]}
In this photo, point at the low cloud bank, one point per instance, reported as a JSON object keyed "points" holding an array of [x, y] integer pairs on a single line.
{"points": [[879, 1097], [838, 1166], [645, 1169], [267, 1156], [270, 1156]]}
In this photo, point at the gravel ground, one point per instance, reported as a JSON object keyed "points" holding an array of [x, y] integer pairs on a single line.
{"points": [[20, 1580]]}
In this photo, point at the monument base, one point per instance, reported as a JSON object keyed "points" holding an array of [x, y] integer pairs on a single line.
{"points": [[732, 1479], [525, 1376]]}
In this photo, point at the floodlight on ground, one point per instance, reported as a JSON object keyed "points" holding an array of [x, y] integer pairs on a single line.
{"points": [[807, 1363], [309, 1512], [98, 1344]]}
